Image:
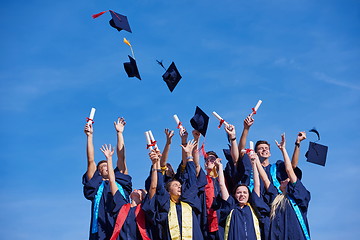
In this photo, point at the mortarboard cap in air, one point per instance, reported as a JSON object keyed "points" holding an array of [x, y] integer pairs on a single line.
{"points": [[316, 153], [120, 22], [200, 121], [131, 68], [171, 76]]}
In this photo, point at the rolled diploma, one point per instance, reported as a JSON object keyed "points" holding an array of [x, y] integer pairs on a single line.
{"points": [[152, 138], [219, 118], [148, 141], [177, 120], [92, 114], [252, 146], [257, 105]]}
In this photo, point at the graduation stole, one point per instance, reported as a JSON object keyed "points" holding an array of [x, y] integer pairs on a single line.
{"points": [[255, 220], [186, 222], [94, 227], [292, 201], [122, 215], [211, 213]]}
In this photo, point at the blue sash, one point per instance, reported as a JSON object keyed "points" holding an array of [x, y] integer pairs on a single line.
{"points": [[292, 201], [94, 227], [251, 183]]}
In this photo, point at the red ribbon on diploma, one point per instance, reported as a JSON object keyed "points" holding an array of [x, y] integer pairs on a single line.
{"points": [[153, 143], [89, 119], [253, 109], [179, 125], [221, 122]]}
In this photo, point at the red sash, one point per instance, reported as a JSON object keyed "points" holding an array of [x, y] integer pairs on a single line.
{"points": [[211, 213], [124, 211], [140, 222]]}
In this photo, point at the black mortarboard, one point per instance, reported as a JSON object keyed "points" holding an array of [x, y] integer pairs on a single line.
{"points": [[171, 76], [316, 153], [281, 174], [120, 22], [200, 121], [131, 68]]}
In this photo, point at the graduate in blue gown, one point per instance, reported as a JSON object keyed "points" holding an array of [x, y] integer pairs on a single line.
{"points": [[178, 206], [96, 185], [289, 203], [130, 217], [244, 215]]}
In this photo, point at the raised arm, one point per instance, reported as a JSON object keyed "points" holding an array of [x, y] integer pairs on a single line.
{"points": [[260, 170], [188, 150], [256, 177], [295, 157], [91, 166], [195, 153], [108, 151], [288, 167], [155, 159], [234, 150], [248, 122], [184, 136], [120, 150], [223, 189], [169, 134]]}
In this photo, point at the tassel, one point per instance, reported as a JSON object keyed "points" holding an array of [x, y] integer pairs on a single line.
{"points": [[127, 42], [98, 14]]}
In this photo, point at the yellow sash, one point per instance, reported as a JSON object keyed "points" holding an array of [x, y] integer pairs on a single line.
{"points": [[255, 220], [186, 212]]}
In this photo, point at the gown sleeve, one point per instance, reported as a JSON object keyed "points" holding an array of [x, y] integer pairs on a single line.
{"points": [[91, 186]]}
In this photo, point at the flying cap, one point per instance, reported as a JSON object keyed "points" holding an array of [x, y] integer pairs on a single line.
{"points": [[171, 76], [316, 153], [120, 22], [200, 121], [131, 68]]}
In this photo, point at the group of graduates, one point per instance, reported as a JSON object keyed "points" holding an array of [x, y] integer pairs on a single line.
{"points": [[248, 198]]}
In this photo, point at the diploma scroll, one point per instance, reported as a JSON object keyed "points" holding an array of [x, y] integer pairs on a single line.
{"points": [[222, 121]]}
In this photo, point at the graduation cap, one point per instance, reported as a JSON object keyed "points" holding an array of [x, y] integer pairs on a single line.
{"points": [[281, 173], [131, 68], [171, 76], [118, 21], [227, 154], [316, 153], [200, 121]]}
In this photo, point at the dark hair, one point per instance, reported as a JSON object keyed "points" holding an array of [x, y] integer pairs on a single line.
{"points": [[167, 186], [210, 153], [102, 161], [261, 142], [244, 185]]}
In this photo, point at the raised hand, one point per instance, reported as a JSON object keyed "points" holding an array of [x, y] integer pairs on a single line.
{"points": [[108, 150], [230, 130], [189, 146], [301, 136], [120, 124], [88, 129], [248, 121], [196, 134], [154, 156], [169, 134], [282, 144]]}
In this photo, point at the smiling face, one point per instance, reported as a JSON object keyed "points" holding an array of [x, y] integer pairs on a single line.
{"points": [[242, 195], [263, 151]]}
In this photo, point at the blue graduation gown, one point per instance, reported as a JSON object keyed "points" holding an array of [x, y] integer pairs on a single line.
{"points": [[105, 217], [189, 195], [285, 224], [242, 223], [202, 181]]}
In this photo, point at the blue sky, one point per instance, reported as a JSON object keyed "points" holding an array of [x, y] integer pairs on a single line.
{"points": [[300, 57]]}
